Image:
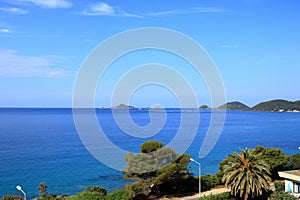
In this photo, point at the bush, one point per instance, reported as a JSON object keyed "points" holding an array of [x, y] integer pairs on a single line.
{"points": [[282, 196], [11, 197], [209, 181], [222, 196], [119, 195], [96, 189], [279, 186], [90, 193], [85, 195], [52, 197]]}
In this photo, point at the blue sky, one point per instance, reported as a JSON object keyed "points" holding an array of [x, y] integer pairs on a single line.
{"points": [[254, 43]]}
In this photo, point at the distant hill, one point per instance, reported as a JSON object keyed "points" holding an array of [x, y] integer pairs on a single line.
{"points": [[277, 105], [233, 106], [204, 107], [297, 102], [123, 106]]}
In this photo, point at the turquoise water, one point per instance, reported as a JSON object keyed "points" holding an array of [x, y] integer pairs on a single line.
{"points": [[42, 145]]}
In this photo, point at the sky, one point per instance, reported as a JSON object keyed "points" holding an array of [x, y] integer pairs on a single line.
{"points": [[43, 44]]}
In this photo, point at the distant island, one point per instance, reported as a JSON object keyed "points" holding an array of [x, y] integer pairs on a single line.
{"points": [[123, 106], [277, 105], [233, 106]]}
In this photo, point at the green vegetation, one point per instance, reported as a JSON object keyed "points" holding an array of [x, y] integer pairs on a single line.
{"points": [[11, 197], [275, 158], [276, 105], [222, 196], [273, 196], [282, 196], [119, 195], [246, 174], [159, 170], [294, 161], [210, 181], [279, 186]]}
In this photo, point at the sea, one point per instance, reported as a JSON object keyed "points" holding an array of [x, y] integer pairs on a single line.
{"points": [[43, 145]]}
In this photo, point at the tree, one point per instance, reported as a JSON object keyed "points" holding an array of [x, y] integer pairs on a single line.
{"points": [[151, 146], [275, 158], [295, 161], [246, 174], [43, 188], [154, 167]]}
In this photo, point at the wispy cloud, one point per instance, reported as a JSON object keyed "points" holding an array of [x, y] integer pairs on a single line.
{"points": [[208, 10], [105, 9], [4, 30], [14, 10], [44, 3], [186, 11], [168, 12], [14, 65]]}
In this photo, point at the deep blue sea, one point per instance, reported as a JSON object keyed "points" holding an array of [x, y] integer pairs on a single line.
{"points": [[42, 145]]}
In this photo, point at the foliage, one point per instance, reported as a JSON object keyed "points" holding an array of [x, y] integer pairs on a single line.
{"points": [[144, 165], [155, 166], [85, 195], [222, 196], [246, 174], [282, 196], [90, 193], [43, 188], [52, 197], [279, 186], [151, 146], [119, 195], [138, 190], [11, 197], [209, 181], [275, 158], [294, 161], [178, 186], [96, 189]]}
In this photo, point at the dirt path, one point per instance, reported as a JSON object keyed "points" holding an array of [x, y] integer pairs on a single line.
{"points": [[213, 191]]}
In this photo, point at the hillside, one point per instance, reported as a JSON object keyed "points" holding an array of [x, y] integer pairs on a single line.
{"points": [[297, 102], [277, 105], [233, 106]]}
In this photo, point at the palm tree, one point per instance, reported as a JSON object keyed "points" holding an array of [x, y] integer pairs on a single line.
{"points": [[246, 174]]}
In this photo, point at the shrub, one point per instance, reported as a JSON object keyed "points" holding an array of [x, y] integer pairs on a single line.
{"points": [[85, 195], [96, 189], [222, 196], [11, 197], [282, 196], [52, 197], [209, 181], [90, 193], [279, 186], [119, 195]]}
